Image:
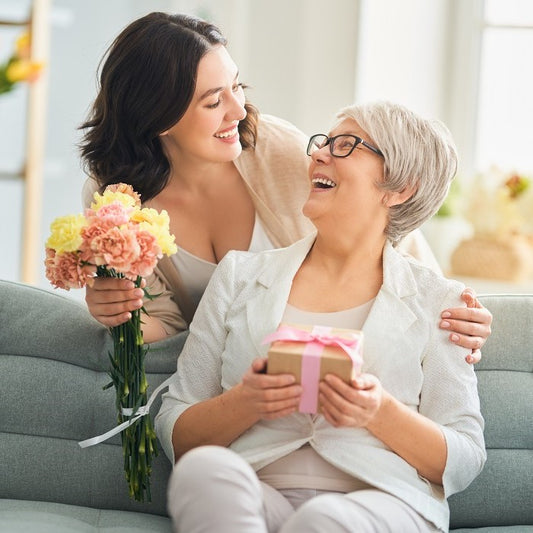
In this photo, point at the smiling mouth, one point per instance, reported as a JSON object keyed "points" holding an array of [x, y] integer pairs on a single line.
{"points": [[226, 134], [323, 183]]}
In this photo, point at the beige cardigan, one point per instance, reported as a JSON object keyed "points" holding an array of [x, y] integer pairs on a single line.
{"points": [[275, 173]]}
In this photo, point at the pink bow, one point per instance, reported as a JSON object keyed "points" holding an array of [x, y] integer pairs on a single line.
{"points": [[315, 340], [320, 334]]}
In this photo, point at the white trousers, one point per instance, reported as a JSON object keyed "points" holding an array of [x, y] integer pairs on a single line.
{"points": [[212, 489]]}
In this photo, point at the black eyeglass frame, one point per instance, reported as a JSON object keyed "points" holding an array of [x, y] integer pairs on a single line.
{"points": [[331, 141]]}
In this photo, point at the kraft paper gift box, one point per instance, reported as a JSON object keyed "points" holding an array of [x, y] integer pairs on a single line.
{"points": [[311, 352]]}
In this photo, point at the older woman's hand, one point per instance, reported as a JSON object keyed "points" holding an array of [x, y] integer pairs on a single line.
{"points": [[469, 326], [269, 396], [350, 405]]}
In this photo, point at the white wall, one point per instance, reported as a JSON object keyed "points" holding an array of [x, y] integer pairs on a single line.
{"points": [[403, 53], [304, 59]]}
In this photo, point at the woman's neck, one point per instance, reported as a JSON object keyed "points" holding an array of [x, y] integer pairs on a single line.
{"points": [[204, 176], [338, 273], [348, 253]]}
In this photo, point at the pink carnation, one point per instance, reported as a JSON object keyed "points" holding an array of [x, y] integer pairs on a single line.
{"points": [[96, 228], [114, 214], [117, 248], [63, 270], [148, 257]]}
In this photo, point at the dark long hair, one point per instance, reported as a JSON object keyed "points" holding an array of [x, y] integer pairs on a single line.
{"points": [[147, 81]]}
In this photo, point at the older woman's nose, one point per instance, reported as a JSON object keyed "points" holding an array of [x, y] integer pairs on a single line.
{"points": [[322, 155]]}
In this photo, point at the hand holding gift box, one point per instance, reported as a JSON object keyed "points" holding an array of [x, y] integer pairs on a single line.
{"points": [[311, 352]]}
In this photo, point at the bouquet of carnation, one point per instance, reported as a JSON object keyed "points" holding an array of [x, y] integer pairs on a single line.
{"points": [[19, 67], [117, 238]]}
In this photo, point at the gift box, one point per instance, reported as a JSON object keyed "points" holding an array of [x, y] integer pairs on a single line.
{"points": [[311, 352]]}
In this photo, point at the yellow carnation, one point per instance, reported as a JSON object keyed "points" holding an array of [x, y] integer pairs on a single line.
{"points": [[152, 217], [158, 225], [109, 196], [66, 233]]}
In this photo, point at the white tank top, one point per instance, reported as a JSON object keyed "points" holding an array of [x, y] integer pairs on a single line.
{"points": [[196, 272]]}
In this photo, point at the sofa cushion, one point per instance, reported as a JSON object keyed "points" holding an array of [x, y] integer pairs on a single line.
{"points": [[20, 516]]}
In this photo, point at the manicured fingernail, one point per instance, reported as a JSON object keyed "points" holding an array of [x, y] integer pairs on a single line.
{"points": [[444, 324], [454, 337], [446, 314]]}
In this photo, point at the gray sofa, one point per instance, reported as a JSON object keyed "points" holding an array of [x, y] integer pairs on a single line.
{"points": [[53, 364]]}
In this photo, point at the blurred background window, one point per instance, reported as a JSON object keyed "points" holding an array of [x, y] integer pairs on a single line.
{"points": [[505, 106]]}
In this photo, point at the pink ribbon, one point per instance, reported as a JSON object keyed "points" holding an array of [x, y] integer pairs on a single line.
{"points": [[315, 341]]}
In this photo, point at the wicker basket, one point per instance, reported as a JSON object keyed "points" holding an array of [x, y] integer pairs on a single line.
{"points": [[509, 259]]}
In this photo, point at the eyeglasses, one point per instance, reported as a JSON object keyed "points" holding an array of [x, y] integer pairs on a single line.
{"points": [[339, 146]]}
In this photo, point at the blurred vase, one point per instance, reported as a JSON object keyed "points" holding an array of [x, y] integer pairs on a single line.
{"points": [[444, 233]]}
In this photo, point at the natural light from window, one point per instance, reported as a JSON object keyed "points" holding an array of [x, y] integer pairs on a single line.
{"points": [[505, 113]]}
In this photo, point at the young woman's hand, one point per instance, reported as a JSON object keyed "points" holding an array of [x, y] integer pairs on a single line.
{"points": [[270, 396], [350, 405], [111, 300], [469, 326]]}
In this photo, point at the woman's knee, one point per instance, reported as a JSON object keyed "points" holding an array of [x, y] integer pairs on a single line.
{"points": [[210, 467]]}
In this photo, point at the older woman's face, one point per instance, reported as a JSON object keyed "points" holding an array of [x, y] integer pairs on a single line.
{"points": [[344, 191]]}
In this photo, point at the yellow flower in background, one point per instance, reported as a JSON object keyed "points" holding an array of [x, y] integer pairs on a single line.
{"points": [[19, 67], [23, 46], [66, 233], [23, 70]]}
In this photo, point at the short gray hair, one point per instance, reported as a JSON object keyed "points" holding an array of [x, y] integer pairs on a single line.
{"points": [[418, 153]]}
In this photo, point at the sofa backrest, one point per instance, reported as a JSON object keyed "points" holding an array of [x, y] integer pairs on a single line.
{"points": [[502, 495], [53, 365]]}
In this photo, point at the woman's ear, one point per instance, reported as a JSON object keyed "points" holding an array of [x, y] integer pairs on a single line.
{"points": [[391, 199], [163, 133]]}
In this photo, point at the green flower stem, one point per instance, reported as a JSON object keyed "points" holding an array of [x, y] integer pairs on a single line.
{"points": [[129, 379]]}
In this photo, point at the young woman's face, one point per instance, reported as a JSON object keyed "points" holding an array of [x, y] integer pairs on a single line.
{"points": [[344, 190], [208, 129]]}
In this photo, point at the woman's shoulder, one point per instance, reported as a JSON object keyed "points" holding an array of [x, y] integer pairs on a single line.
{"points": [[279, 134], [279, 158], [87, 193], [434, 285]]}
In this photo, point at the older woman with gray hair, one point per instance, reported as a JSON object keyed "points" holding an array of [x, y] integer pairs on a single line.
{"points": [[386, 449]]}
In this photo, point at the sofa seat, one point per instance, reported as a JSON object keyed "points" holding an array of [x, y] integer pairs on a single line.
{"points": [[21, 516], [495, 529]]}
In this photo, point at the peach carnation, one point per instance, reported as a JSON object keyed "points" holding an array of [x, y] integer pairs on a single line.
{"points": [[117, 248], [150, 252]]}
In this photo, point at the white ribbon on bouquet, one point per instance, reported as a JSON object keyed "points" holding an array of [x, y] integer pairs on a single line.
{"points": [[143, 410]]}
